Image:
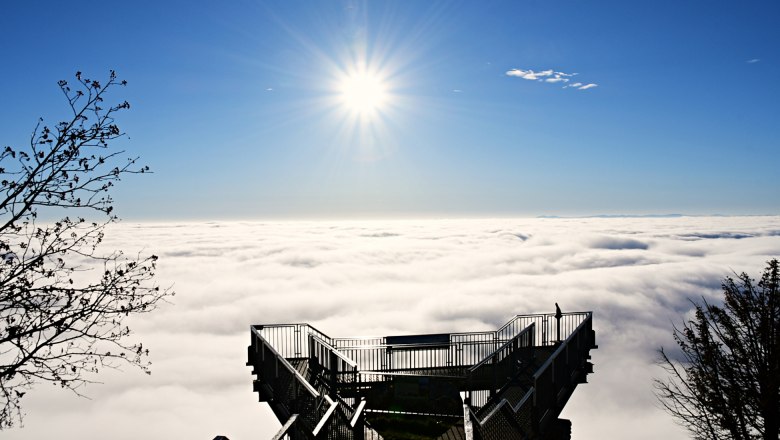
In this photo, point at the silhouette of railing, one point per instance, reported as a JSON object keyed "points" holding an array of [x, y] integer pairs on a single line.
{"points": [[391, 353], [499, 371], [553, 383], [506, 361], [292, 396]]}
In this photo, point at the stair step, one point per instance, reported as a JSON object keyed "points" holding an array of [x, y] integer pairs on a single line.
{"points": [[456, 432]]}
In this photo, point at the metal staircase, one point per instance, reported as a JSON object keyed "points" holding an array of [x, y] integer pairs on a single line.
{"points": [[511, 383]]}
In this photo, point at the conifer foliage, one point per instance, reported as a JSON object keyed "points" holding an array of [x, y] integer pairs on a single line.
{"points": [[725, 381]]}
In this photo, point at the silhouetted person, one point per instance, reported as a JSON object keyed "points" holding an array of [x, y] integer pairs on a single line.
{"points": [[558, 316]]}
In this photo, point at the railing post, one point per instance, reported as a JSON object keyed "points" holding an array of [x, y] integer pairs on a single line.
{"points": [[468, 429], [357, 423], [333, 360], [358, 432], [493, 387], [296, 340], [388, 358], [355, 388]]}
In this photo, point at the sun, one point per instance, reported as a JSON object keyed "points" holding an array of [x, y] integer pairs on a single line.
{"points": [[363, 93], [363, 101]]}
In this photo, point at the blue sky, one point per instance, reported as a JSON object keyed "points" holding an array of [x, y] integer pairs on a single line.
{"points": [[236, 106]]}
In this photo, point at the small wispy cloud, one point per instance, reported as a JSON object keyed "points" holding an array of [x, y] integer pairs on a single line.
{"points": [[753, 60], [550, 76], [530, 74], [457, 90], [270, 89]]}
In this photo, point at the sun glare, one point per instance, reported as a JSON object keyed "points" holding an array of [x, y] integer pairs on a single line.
{"points": [[363, 93]]}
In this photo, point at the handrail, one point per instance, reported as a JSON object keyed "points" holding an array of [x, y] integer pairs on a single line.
{"points": [[333, 350], [292, 324], [465, 349], [407, 373], [358, 413], [493, 333], [530, 395], [496, 351], [286, 427], [484, 332], [332, 404], [420, 345], [289, 367], [456, 339], [504, 402], [516, 317], [335, 342], [331, 410], [562, 347]]}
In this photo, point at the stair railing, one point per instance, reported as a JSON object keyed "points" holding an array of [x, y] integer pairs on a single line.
{"points": [[491, 426], [552, 381], [290, 389], [556, 377]]}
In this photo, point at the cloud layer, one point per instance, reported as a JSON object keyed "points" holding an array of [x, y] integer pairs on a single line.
{"points": [[551, 76], [400, 277]]}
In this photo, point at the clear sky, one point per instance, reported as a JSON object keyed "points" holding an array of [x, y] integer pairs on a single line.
{"points": [[417, 108]]}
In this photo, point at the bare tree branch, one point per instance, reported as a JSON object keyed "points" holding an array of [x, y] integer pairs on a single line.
{"points": [[62, 300]]}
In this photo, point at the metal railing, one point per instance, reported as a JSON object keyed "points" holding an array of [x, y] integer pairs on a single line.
{"points": [[505, 361], [542, 402], [487, 358], [288, 387], [382, 354], [557, 375], [505, 417], [289, 340], [287, 429], [335, 366]]}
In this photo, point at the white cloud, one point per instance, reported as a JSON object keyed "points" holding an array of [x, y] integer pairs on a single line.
{"points": [[753, 61], [397, 277], [549, 76], [529, 74]]}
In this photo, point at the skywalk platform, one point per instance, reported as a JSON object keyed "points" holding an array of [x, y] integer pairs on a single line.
{"points": [[511, 383]]}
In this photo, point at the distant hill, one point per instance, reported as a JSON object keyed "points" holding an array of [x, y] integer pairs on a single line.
{"points": [[622, 216]]}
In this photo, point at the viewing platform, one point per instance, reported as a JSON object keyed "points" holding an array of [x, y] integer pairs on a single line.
{"points": [[511, 383]]}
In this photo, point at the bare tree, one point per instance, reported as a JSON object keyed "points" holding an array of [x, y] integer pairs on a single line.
{"points": [[62, 299], [725, 382]]}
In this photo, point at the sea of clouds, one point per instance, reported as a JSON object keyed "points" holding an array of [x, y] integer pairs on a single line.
{"points": [[352, 278]]}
